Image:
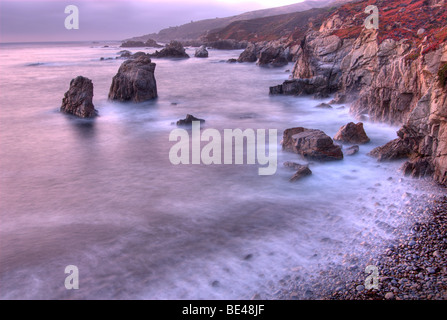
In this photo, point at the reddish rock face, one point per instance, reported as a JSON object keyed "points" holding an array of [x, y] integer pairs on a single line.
{"points": [[135, 81], [78, 100], [311, 144], [352, 133]]}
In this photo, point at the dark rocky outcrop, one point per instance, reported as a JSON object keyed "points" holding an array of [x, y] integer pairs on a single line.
{"points": [[311, 144], [152, 44], [393, 150], [78, 100], [201, 52], [232, 60], [135, 81], [174, 49], [301, 170], [352, 133], [188, 120], [228, 44]]}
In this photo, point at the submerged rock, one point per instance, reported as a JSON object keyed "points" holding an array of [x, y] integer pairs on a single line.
{"points": [[188, 120], [312, 144], [352, 133], [352, 150], [201, 52], [135, 81], [78, 100], [324, 106], [301, 170]]}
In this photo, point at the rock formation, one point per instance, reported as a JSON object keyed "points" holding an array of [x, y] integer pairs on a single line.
{"points": [[301, 170], [201, 52], [173, 50], [312, 144], [188, 120], [78, 100], [393, 75], [250, 54], [135, 81], [352, 133]]}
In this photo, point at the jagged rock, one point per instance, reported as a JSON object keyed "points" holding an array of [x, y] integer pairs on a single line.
{"points": [[201, 52], [352, 150], [135, 81], [302, 171], [393, 150], [78, 100], [312, 144], [188, 120], [352, 133], [250, 54], [323, 106], [173, 50]]}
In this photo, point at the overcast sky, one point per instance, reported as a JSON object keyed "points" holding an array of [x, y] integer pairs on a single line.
{"points": [[22, 21]]}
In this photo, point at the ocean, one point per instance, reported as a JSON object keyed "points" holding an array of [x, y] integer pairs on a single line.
{"points": [[103, 195]]}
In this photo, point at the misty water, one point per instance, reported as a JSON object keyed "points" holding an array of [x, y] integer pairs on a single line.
{"points": [[103, 195]]}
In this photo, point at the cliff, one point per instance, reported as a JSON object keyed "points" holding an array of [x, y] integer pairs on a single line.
{"points": [[395, 74]]}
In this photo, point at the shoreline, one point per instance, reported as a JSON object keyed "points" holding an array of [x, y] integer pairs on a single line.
{"points": [[412, 266]]}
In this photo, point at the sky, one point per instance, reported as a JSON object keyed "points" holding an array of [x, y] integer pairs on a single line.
{"points": [[44, 20]]}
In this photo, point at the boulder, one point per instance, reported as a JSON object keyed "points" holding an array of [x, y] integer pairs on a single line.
{"points": [[250, 54], [135, 81], [352, 133], [232, 60], [311, 144], [418, 168], [173, 50], [201, 52], [78, 100], [188, 120]]}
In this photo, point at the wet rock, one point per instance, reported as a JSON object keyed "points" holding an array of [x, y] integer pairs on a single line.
{"points": [[132, 44], [135, 81], [418, 168], [78, 100], [152, 44], [273, 56], [232, 60], [352, 133], [312, 144], [174, 49], [352, 150], [188, 120], [201, 52]]}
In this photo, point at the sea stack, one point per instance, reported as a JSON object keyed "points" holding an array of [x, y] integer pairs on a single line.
{"points": [[135, 81], [78, 100]]}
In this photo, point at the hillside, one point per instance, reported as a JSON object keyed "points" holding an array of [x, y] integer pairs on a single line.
{"points": [[272, 28], [194, 30]]}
